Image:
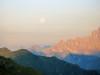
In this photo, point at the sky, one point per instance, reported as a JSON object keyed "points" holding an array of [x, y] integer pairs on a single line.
{"points": [[29, 22]]}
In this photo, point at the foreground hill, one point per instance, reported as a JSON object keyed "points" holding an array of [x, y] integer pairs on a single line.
{"points": [[48, 65], [9, 67]]}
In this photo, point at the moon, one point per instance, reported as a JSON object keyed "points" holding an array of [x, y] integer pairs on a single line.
{"points": [[42, 20]]}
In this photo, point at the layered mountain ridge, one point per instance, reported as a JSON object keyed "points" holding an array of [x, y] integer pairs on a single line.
{"points": [[48, 65]]}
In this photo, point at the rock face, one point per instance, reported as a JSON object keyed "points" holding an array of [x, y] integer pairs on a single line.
{"points": [[81, 45]]}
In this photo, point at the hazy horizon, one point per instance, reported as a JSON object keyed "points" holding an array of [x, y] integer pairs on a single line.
{"points": [[29, 22]]}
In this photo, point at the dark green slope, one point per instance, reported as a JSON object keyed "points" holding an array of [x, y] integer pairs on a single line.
{"points": [[48, 65], [8, 67]]}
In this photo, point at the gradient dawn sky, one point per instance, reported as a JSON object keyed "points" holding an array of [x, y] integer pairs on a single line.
{"points": [[29, 22]]}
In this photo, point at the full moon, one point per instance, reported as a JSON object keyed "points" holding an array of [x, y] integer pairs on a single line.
{"points": [[42, 20]]}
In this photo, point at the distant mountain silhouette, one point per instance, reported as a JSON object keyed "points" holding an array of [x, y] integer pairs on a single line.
{"points": [[90, 62], [38, 49], [48, 65]]}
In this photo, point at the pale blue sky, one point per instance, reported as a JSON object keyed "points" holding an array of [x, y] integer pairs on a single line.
{"points": [[26, 14], [51, 20]]}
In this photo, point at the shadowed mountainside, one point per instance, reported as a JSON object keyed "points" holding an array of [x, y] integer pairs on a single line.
{"points": [[48, 65], [90, 62], [9, 67]]}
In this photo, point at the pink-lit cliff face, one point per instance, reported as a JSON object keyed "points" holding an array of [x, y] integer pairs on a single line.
{"points": [[83, 45]]}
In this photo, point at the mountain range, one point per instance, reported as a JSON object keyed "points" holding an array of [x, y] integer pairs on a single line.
{"points": [[80, 45], [47, 65]]}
